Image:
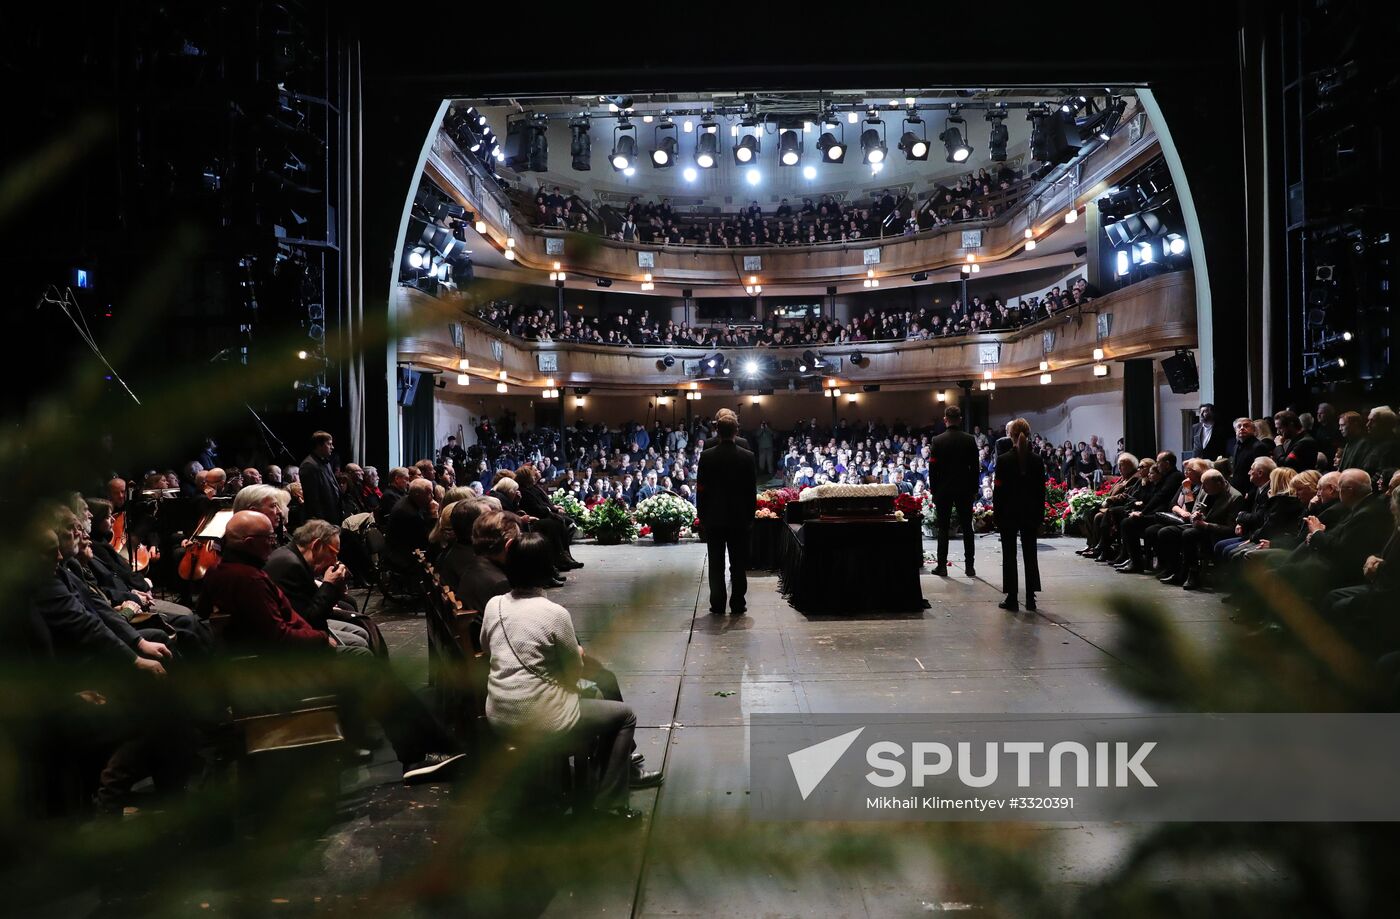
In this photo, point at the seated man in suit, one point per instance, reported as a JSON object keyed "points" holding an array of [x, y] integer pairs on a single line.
{"points": [[409, 525], [314, 553]]}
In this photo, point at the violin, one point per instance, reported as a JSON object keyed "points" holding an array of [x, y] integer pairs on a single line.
{"points": [[138, 554], [204, 550]]}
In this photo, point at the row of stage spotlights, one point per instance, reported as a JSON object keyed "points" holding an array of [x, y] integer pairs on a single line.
{"points": [[831, 144]]}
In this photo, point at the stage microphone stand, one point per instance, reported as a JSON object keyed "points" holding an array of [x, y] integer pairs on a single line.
{"points": [[269, 437]]}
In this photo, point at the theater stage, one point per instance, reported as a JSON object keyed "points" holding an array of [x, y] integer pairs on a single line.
{"points": [[693, 680]]}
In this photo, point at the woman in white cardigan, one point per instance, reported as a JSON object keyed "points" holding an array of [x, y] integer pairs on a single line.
{"points": [[536, 662]]}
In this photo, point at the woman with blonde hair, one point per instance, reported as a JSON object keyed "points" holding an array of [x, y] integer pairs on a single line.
{"points": [[1018, 505]]}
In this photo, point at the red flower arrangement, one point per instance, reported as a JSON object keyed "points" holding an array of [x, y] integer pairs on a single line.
{"points": [[644, 531], [908, 505], [775, 499]]}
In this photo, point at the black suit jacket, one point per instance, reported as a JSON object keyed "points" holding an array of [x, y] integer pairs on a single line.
{"points": [[1164, 496], [738, 441], [1344, 547], [408, 530], [1242, 458], [114, 562], [290, 572], [481, 580], [954, 466], [1299, 454], [1018, 495], [454, 561], [726, 486], [320, 491], [1218, 445], [79, 622]]}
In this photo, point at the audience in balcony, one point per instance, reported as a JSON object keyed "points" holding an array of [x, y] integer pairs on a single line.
{"points": [[824, 220], [631, 327]]}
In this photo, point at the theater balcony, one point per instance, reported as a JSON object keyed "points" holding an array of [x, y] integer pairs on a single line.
{"points": [[1153, 317]]}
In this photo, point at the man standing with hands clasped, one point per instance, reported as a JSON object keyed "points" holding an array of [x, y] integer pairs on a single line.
{"points": [[726, 485], [953, 474]]}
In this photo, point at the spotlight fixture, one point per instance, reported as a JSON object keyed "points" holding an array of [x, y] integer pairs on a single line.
{"points": [[1071, 215], [1044, 379], [856, 357], [501, 388], [954, 131], [831, 149], [707, 144], [624, 152], [1098, 354], [669, 361], [914, 146], [789, 148], [746, 150], [943, 395], [690, 174], [751, 367], [663, 155], [997, 135], [872, 142], [809, 172], [419, 257]]}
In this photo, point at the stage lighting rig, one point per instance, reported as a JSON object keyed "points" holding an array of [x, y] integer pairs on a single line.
{"points": [[997, 135], [913, 145], [624, 151], [872, 141], [581, 144], [954, 139]]}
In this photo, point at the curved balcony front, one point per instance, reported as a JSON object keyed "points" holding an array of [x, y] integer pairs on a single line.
{"points": [[1151, 317]]}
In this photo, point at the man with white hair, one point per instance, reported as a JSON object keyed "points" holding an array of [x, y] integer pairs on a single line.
{"points": [[1383, 446]]}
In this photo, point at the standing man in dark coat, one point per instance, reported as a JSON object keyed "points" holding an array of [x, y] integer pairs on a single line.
{"points": [[726, 486], [318, 485], [1209, 439], [1018, 504], [953, 471]]}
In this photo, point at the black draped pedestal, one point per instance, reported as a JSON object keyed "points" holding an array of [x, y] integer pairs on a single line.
{"points": [[838, 567], [766, 539]]}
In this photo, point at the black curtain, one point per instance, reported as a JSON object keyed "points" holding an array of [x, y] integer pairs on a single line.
{"points": [[1139, 407], [419, 439]]}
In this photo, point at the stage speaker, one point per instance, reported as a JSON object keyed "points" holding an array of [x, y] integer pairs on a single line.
{"points": [[831, 291], [1181, 372], [408, 385]]}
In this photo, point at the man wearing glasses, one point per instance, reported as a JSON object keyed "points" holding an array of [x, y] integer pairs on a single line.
{"points": [[314, 553]]}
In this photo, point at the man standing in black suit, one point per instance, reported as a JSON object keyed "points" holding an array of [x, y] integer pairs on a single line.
{"points": [[726, 485], [953, 470], [1209, 439], [318, 485]]}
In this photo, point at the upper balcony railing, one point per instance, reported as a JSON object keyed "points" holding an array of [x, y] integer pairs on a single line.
{"points": [[1152, 316]]}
